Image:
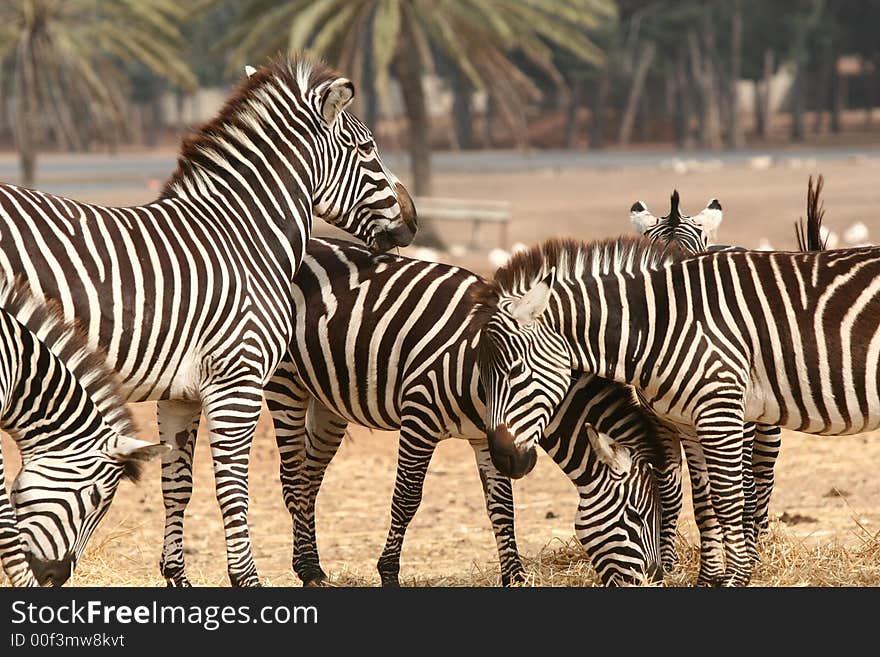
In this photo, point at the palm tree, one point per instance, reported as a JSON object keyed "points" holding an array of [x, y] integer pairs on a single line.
{"points": [[491, 45], [66, 60]]}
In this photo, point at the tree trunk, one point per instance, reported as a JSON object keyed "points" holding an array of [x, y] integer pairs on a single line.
{"points": [[797, 103], [26, 128], [409, 72], [838, 96], [646, 58], [462, 117], [571, 113], [598, 109], [684, 103], [701, 63], [734, 125], [870, 68]]}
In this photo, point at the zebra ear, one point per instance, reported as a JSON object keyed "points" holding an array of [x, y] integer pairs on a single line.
{"points": [[641, 218], [249, 70], [127, 449], [709, 219], [533, 303], [608, 451], [336, 97]]}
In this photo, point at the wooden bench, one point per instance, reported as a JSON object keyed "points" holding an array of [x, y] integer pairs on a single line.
{"points": [[476, 212]]}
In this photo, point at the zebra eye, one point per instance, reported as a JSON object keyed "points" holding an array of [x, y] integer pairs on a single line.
{"points": [[367, 147], [95, 496], [517, 370]]}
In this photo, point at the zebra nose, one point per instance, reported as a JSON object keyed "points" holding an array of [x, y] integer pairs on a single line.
{"points": [[508, 459], [51, 572], [407, 209]]}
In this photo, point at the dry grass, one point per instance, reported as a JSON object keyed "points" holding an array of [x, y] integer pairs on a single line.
{"points": [[787, 560]]}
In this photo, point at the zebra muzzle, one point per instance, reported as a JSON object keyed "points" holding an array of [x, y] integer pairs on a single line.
{"points": [[51, 572], [509, 459]]}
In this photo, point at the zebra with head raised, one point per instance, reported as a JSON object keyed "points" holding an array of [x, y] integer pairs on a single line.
{"points": [[62, 407], [391, 343], [711, 342], [762, 442], [190, 296]]}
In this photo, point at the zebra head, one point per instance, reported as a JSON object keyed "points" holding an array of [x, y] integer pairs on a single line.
{"points": [[693, 234], [355, 190], [59, 500], [513, 345], [619, 513]]}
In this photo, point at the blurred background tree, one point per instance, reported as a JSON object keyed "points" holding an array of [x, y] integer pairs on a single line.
{"points": [[472, 41], [65, 64]]}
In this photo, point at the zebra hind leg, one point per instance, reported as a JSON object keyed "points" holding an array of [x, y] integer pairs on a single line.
{"points": [[768, 441], [413, 458], [499, 505], [324, 434], [749, 494], [178, 426], [669, 486], [711, 538]]}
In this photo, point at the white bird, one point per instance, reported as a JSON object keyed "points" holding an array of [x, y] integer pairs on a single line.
{"points": [[764, 245], [458, 251], [856, 235], [498, 257], [830, 238], [761, 162], [517, 247], [426, 254]]}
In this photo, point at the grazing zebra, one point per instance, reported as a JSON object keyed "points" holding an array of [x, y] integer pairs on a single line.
{"points": [[189, 296], [711, 342], [391, 343], [62, 407]]}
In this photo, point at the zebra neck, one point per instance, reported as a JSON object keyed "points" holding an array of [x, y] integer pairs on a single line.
{"points": [[44, 407], [607, 328], [267, 201]]}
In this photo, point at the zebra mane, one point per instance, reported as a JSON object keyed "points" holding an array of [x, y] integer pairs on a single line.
{"points": [[68, 342], [296, 73], [577, 260]]}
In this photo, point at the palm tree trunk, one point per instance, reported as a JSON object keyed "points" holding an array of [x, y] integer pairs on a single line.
{"points": [[635, 93], [571, 113], [597, 111], [462, 117], [409, 73]]}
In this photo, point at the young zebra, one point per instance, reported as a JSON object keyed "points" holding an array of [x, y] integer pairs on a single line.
{"points": [[712, 341], [391, 343], [62, 407], [189, 296]]}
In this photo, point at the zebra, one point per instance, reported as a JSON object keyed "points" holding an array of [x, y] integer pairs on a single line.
{"points": [[62, 407], [390, 343], [762, 443], [189, 296], [787, 339]]}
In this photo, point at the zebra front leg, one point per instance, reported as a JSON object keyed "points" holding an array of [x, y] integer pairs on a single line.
{"points": [[711, 571], [499, 505], [12, 553], [669, 485], [721, 438], [232, 415], [413, 458], [178, 426], [768, 441]]}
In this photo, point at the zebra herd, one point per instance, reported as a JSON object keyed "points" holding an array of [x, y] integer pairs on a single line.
{"points": [[612, 355]]}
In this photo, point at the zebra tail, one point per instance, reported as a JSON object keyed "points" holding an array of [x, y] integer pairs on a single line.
{"points": [[809, 235]]}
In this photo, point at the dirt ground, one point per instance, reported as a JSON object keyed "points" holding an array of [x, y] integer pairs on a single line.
{"points": [[827, 489]]}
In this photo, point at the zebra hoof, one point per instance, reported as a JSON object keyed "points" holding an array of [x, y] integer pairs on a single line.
{"points": [[250, 581], [178, 582], [514, 578], [389, 581]]}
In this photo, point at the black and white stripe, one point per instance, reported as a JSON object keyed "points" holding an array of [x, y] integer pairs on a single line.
{"points": [[391, 343], [189, 296], [711, 342], [62, 407]]}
